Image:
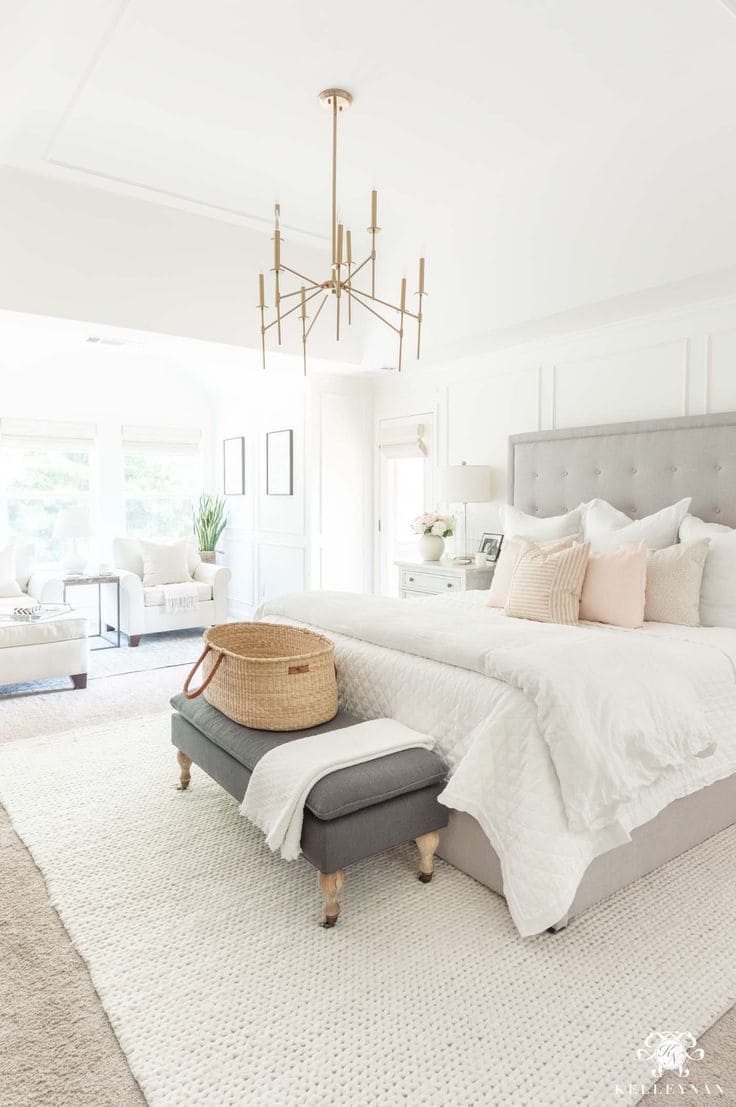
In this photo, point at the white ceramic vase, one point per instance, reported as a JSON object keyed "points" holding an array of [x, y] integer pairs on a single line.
{"points": [[431, 547]]}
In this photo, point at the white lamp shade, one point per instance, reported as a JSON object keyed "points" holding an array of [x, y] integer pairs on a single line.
{"points": [[73, 523], [465, 484]]}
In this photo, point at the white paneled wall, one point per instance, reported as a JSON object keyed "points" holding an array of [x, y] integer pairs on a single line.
{"points": [[320, 536], [671, 363]]}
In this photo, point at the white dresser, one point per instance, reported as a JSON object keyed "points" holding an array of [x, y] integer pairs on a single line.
{"points": [[430, 578]]}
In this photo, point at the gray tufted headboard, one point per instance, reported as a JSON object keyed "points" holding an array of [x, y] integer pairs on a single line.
{"points": [[638, 467]]}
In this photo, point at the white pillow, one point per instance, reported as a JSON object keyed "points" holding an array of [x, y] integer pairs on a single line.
{"points": [[128, 554], [517, 524], [606, 528], [165, 563], [674, 576], [8, 583], [718, 590]]}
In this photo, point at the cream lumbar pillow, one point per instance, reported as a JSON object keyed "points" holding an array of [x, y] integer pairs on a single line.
{"points": [[718, 590], [606, 527], [8, 583], [504, 571], [517, 524], [165, 563], [674, 577], [613, 589], [546, 584]]}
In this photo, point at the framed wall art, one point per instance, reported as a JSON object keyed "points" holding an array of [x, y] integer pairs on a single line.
{"points": [[233, 466], [280, 463]]}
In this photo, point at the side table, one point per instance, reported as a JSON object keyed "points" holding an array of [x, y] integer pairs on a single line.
{"points": [[72, 581]]}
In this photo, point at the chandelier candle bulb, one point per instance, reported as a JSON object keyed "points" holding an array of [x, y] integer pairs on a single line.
{"points": [[348, 248], [421, 276], [339, 244], [261, 292], [374, 211]]}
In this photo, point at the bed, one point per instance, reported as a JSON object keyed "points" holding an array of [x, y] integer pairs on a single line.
{"points": [[427, 665]]}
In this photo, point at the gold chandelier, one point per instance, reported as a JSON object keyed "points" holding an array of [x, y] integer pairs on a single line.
{"points": [[342, 269]]}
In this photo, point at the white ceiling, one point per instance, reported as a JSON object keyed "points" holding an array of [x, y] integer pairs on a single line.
{"points": [[545, 154]]}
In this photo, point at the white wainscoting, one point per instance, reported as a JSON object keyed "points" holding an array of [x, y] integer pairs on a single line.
{"points": [[667, 364]]}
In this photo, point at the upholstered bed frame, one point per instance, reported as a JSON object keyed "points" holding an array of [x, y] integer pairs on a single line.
{"points": [[639, 468]]}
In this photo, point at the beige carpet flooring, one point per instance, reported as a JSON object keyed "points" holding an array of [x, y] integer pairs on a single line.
{"points": [[57, 1048]]}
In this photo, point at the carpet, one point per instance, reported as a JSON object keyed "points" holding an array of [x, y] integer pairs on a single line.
{"points": [[156, 651], [222, 989]]}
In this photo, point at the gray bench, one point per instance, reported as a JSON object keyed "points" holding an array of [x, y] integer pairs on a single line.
{"points": [[350, 814]]}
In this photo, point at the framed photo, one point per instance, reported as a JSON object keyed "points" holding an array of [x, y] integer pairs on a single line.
{"points": [[280, 463], [233, 466], [490, 545]]}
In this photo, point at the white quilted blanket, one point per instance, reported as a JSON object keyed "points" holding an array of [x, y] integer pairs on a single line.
{"points": [[503, 772], [284, 777]]}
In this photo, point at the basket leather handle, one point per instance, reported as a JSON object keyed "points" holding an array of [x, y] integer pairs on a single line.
{"points": [[198, 691]]}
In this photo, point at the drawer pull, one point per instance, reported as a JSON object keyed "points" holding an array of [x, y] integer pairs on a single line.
{"points": [[450, 584], [411, 580]]}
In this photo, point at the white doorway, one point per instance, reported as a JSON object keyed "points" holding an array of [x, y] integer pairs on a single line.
{"points": [[406, 489]]}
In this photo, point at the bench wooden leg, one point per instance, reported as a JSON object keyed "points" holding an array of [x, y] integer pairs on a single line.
{"points": [[330, 884], [184, 775], [79, 680], [134, 640], [427, 845]]}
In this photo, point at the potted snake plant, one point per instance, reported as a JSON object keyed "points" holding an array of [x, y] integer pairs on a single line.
{"points": [[209, 520]]}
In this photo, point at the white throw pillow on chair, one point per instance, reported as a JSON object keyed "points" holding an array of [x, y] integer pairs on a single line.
{"points": [[8, 583], [165, 563]]}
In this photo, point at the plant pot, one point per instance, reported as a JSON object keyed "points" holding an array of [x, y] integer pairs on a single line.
{"points": [[209, 556], [431, 547]]}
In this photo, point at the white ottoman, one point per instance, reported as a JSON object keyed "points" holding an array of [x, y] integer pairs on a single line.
{"points": [[55, 647]]}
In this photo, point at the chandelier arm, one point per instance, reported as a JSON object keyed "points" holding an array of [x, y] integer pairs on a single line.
{"points": [[357, 269], [301, 276], [370, 309], [292, 310], [376, 300], [315, 317], [298, 291]]}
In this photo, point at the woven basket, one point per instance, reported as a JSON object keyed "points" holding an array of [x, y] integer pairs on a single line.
{"points": [[267, 676]]}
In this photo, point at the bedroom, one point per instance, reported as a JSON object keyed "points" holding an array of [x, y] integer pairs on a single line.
{"points": [[580, 273]]}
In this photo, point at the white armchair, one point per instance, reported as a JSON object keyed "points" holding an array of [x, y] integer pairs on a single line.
{"points": [[143, 610]]}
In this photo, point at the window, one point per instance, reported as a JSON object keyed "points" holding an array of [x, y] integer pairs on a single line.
{"points": [[404, 491], [44, 469], [162, 480]]}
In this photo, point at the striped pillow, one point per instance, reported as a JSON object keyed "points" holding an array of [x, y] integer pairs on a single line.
{"points": [[546, 585]]}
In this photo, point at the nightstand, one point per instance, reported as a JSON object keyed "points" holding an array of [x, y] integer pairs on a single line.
{"points": [[432, 578]]}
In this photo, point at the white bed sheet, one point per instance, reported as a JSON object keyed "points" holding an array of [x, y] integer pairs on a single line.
{"points": [[501, 770]]}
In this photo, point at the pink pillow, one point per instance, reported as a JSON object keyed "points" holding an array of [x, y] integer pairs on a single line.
{"points": [[614, 587], [506, 564]]}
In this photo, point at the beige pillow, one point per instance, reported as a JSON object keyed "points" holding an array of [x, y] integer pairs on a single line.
{"points": [[546, 584], [674, 576], [165, 563], [504, 570]]}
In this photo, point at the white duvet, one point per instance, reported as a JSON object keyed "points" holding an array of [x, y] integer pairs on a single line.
{"points": [[513, 705]]}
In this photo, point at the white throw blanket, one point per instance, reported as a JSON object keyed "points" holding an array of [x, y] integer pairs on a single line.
{"points": [[179, 597], [284, 777], [615, 712]]}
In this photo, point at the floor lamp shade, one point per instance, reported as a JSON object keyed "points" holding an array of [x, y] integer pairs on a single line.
{"points": [[465, 484]]}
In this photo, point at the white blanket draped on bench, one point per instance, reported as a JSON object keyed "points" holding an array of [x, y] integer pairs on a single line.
{"points": [[284, 777]]}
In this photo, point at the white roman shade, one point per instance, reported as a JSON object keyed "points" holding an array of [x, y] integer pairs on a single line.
{"points": [[403, 440], [32, 431], [171, 439]]}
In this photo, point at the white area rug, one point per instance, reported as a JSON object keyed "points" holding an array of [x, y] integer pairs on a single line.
{"points": [[223, 989]]}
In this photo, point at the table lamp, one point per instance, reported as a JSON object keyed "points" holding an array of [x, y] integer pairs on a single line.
{"points": [[465, 484], [74, 523]]}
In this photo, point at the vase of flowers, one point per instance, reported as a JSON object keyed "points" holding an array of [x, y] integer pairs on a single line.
{"points": [[433, 529]]}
